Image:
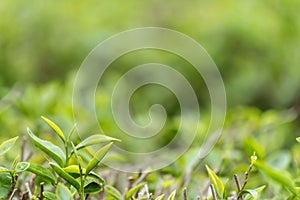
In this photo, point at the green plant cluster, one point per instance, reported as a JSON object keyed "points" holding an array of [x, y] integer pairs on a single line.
{"points": [[70, 170]]}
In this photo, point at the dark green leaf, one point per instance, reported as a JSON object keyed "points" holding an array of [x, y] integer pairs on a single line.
{"points": [[5, 183], [63, 174], [92, 187]]}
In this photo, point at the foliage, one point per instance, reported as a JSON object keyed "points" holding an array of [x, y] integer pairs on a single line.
{"points": [[71, 171], [69, 180]]}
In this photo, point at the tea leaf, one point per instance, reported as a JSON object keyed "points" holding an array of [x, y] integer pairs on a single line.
{"points": [[134, 190], [65, 175], [215, 180], [50, 149], [36, 169], [95, 139], [91, 186], [160, 197], [7, 145], [63, 193], [281, 177], [56, 129], [49, 195], [253, 194], [99, 155], [113, 192], [172, 195], [5, 183]]}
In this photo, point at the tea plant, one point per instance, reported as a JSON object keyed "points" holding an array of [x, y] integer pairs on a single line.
{"points": [[69, 180], [67, 173]]}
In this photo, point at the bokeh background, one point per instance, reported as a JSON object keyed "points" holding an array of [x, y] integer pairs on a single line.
{"points": [[255, 44]]}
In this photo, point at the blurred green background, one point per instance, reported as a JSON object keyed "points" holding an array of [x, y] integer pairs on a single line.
{"points": [[255, 44]]}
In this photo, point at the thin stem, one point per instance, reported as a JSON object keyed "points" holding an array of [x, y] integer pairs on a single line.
{"points": [[237, 182], [184, 194], [213, 191], [41, 190], [12, 194], [245, 182]]}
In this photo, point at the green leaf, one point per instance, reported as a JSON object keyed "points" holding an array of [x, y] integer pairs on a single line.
{"points": [[160, 197], [63, 174], [5, 183], [91, 186], [113, 192], [49, 195], [95, 139], [217, 183], [50, 149], [7, 145], [298, 139], [172, 195], [134, 190], [71, 133], [22, 166], [253, 194], [56, 129], [73, 170], [36, 169], [281, 177], [63, 193], [99, 155]]}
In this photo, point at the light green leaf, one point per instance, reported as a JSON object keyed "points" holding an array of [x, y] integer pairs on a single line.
{"points": [[281, 177], [56, 129], [49, 195], [217, 183], [253, 194], [73, 170], [37, 170], [113, 192], [134, 190], [298, 139], [5, 183], [95, 139], [99, 155], [160, 197], [63, 174], [63, 193], [50, 149], [172, 195], [22, 166], [7, 145]]}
